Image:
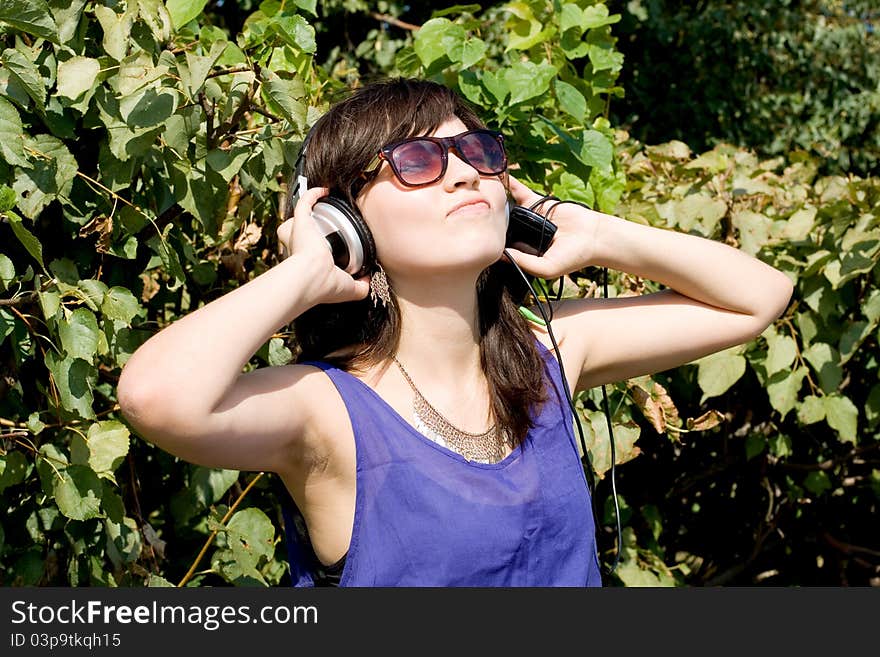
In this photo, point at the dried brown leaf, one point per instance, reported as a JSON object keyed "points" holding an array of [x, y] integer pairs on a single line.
{"points": [[706, 421], [649, 407]]}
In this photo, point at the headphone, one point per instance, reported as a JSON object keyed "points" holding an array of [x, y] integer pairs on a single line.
{"points": [[354, 251]]}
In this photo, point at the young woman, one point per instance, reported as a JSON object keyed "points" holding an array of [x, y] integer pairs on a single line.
{"points": [[424, 433]]}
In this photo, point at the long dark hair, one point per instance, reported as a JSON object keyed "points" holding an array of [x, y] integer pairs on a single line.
{"points": [[342, 144]]}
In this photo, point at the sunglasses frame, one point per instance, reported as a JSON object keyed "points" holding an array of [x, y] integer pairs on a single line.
{"points": [[446, 144]]}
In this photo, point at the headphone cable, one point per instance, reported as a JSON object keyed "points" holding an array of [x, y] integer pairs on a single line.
{"points": [[589, 469]]}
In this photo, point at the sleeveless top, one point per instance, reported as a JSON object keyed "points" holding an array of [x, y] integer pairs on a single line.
{"points": [[425, 516]]}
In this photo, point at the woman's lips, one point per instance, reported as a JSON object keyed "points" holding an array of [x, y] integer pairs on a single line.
{"points": [[470, 207]]}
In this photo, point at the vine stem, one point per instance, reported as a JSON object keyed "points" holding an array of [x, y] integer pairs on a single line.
{"points": [[391, 20], [192, 569]]}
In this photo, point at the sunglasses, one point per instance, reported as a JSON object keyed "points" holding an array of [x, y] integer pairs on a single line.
{"points": [[422, 160]]}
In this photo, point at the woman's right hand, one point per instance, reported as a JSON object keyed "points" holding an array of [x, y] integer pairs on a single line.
{"points": [[300, 236]]}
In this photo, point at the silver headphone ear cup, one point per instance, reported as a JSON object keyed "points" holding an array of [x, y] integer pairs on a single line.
{"points": [[348, 234]]}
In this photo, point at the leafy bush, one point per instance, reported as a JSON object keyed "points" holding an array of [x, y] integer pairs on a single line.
{"points": [[772, 76], [786, 483]]}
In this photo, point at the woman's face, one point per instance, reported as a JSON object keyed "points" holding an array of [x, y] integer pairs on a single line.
{"points": [[455, 224]]}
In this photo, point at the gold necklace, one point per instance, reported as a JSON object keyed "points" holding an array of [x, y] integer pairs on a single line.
{"points": [[489, 446]]}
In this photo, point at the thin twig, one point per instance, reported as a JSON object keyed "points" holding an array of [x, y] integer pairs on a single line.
{"points": [[229, 71], [20, 300], [210, 540], [386, 18]]}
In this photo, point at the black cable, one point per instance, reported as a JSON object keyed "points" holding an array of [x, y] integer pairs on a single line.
{"points": [[547, 319]]}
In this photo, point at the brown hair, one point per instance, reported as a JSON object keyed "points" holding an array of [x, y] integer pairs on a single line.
{"points": [[341, 145]]}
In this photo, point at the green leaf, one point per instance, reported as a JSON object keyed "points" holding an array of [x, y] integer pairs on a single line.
{"points": [[296, 32], [825, 359], [124, 543], [228, 162], [108, 445], [156, 16], [604, 58], [119, 303], [117, 29], [571, 101], [34, 424], [435, 38], [64, 269], [472, 51], [842, 416], [30, 16], [754, 230], [11, 131], [599, 442], [781, 352], [596, 150], [783, 388], [197, 67], [817, 482], [27, 74], [79, 334], [76, 76], [281, 95], [496, 85], [755, 444], [570, 186], [811, 409], [597, 16], [50, 301], [7, 324], [7, 272], [49, 176], [168, 256], [78, 493], [8, 198], [183, 11], [670, 151], [93, 292], [13, 469], [717, 372], [872, 405], [27, 239], [780, 445], [67, 14], [149, 108], [852, 338], [698, 209], [800, 224], [74, 379], [528, 80], [210, 484], [310, 6], [158, 581], [571, 17], [279, 354], [255, 531]]}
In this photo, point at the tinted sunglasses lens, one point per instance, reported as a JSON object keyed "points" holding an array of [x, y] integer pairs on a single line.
{"points": [[483, 152], [417, 162]]}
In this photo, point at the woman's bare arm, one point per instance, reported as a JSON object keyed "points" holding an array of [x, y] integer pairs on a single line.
{"points": [[718, 296], [184, 389]]}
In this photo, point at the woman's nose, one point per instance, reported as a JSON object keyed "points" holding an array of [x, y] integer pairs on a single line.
{"points": [[459, 172]]}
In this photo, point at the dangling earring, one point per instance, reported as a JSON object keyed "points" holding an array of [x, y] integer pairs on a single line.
{"points": [[379, 290]]}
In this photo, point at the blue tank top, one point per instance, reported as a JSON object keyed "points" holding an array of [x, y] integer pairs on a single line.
{"points": [[426, 516]]}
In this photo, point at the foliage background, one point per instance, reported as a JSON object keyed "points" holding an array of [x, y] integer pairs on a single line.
{"points": [[773, 76], [144, 150]]}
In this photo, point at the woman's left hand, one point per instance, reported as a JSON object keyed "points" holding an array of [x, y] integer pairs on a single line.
{"points": [[573, 244]]}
